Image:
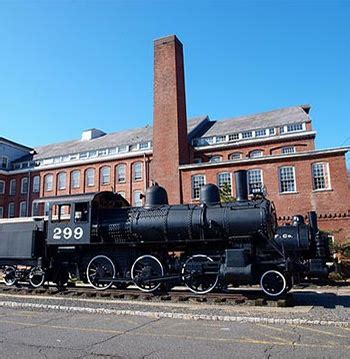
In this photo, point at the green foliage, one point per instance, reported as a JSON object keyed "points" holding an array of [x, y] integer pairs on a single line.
{"points": [[225, 193]]}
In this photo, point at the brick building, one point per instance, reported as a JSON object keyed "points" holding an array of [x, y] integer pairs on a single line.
{"points": [[277, 148]]}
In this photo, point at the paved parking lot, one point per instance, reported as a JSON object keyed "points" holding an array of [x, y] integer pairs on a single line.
{"points": [[51, 334]]}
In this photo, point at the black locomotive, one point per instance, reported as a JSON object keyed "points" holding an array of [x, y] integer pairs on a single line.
{"points": [[101, 240]]}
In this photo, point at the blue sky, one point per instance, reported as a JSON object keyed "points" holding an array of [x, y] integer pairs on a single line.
{"points": [[70, 65]]}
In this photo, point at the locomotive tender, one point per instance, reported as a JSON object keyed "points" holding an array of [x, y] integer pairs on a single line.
{"points": [[102, 240]]}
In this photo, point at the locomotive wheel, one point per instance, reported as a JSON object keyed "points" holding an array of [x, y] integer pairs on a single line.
{"points": [[36, 277], [194, 278], [273, 283], [10, 276], [143, 269], [98, 268]]}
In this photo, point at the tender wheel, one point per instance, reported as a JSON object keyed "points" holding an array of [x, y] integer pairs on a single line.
{"points": [[36, 277], [273, 283], [143, 270], [100, 267], [194, 276], [10, 276]]}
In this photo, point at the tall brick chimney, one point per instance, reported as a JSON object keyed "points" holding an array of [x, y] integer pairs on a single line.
{"points": [[170, 142]]}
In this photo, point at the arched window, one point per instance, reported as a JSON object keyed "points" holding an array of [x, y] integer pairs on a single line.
{"points": [[137, 199], [48, 182], [24, 185], [90, 177], [121, 173], [105, 175], [215, 159], [235, 156], [75, 179], [256, 153], [2, 187], [36, 184], [13, 186], [137, 171], [62, 180]]}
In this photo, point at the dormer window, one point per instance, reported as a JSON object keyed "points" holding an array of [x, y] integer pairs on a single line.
{"points": [[233, 137], [260, 133], [247, 134], [220, 139], [4, 161]]}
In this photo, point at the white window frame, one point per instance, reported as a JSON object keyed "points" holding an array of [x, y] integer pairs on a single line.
{"points": [[194, 187], [36, 184], [75, 181], [13, 189], [105, 175], [137, 175], [90, 174], [48, 185], [280, 180], [221, 183], [121, 170], [288, 149], [326, 175], [250, 187], [62, 184], [11, 208], [24, 182], [23, 209], [137, 201], [3, 187]]}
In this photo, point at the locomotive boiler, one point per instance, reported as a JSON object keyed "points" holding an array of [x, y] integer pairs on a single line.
{"points": [[101, 239]]}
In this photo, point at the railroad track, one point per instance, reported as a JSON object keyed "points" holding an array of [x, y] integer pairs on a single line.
{"points": [[249, 297]]}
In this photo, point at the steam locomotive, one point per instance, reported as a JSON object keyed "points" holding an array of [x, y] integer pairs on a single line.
{"points": [[101, 240]]}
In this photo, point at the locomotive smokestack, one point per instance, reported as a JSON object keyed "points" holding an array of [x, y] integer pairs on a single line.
{"points": [[241, 185]]}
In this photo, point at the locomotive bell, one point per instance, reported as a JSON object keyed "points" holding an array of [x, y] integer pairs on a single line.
{"points": [[155, 196], [209, 194]]}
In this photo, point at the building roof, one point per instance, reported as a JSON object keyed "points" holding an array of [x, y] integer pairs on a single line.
{"points": [[273, 118], [15, 144], [127, 137]]}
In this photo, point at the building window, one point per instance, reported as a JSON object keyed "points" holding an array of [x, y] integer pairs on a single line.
{"points": [[24, 185], [1, 212], [295, 127], [137, 199], [12, 187], [287, 179], [235, 156], [121, 173], [137, 171], [288, 149], [46, 208], [23, 209], [105, 175], [62, 180], [122, 193], [220, 139], [48, 183], [233, 137], [36, 184], [4, 162], [144, 145], [11, 210], [215, 159], [75, 179], [256, 153], [247, 134], [2, 187], [320, 176], [271, 131], [90, 177], [197, 182], [255, 181], [35, 209], [224, 179], [260, 133]]}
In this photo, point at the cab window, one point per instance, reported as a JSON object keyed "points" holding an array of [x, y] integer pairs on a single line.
{"points": [[60, 213], [81, 213]]}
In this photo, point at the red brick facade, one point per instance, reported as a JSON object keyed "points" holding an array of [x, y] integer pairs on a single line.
{"points": [[173, 161]]}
